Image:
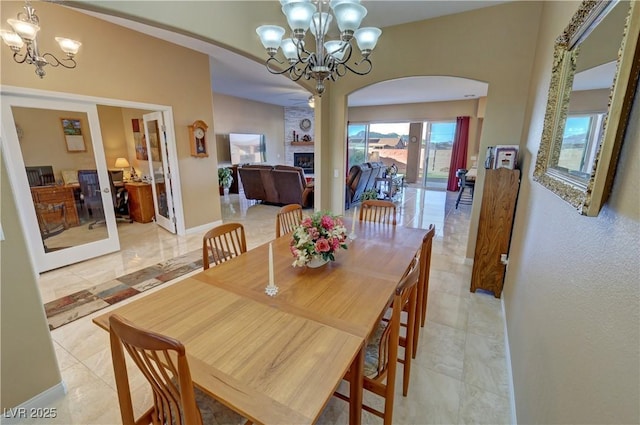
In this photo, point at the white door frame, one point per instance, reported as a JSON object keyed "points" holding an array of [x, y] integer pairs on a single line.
{"points": [[167, 223], [41, 95], [14, 162]]}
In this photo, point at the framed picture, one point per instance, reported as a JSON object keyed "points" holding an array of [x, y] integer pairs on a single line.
{"points": [[506, 157], [72, 130], [139, 140]]}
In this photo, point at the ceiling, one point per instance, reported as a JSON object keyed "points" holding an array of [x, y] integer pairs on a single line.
{"points": [[238, 76]]}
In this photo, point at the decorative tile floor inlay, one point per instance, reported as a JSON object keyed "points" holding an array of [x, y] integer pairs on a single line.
{"points": [[71, 307]]}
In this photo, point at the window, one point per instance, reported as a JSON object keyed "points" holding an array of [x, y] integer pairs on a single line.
{"points": [[579, 146], [384, 142]]}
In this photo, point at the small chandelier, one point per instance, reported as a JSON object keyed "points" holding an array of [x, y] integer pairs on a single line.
{"points": [[25, 30], [330, 59]]}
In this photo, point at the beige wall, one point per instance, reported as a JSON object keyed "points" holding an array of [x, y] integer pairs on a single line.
{"points": [[571, 293], [28, 363], [113, 134], [43, 142], [235, 115]]}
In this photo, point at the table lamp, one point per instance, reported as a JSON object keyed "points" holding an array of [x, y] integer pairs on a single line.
{"points": [[123, 163]]}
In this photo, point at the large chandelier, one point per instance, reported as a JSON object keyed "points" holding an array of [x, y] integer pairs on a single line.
{"points": [[331, 57], [25, 30]]}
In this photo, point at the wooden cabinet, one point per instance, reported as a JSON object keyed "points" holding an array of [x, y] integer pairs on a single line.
{"points": [[140, 202], [494, 229], [58, 195]]}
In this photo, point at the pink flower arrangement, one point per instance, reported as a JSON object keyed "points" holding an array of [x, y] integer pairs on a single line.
{"points": [[320, 235]]}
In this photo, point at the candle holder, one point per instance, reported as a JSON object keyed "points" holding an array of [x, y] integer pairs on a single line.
{"points": [[271, 290]]}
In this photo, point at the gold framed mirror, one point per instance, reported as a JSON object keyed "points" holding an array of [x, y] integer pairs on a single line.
{"points": [[593, 81]]}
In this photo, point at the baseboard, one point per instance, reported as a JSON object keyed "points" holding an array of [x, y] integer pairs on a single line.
{"points": [[512, 396], [36, 407], [202, 229]]}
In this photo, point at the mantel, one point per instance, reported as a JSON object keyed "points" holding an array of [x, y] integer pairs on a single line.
{"points": [[301, 143]]}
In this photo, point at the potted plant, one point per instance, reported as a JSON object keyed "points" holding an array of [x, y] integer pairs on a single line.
{"points": [[224, 179], [369, 194]]}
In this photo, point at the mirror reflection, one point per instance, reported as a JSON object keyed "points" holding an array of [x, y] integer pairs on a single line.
{"points": [[593, 79], [595, 60], [60, 167]]}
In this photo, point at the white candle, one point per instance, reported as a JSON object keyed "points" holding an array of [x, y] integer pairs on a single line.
{"points": [[271, 280], [353, 221]]}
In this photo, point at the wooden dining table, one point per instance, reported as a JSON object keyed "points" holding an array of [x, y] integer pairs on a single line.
{"points": [[279, 359]]}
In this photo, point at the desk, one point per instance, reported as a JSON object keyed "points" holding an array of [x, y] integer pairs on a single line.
{"points": [[58, 195], [140, 202], [279, 359]]}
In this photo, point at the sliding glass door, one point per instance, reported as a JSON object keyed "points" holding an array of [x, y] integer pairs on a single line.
{"points": [[378, 142], [55, 160], [435, 161]]}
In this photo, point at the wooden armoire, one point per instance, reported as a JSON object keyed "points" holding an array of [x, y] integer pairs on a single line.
{"points": [[499, 198]]}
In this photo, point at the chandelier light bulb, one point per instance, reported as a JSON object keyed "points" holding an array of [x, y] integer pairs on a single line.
{"points": [[336, 48], [299, 15], [333, 3], [320, 24], [26, 30], [367, 38], [349, 16], [290, 49], [12, 40], [270, 36], [70, 47]]}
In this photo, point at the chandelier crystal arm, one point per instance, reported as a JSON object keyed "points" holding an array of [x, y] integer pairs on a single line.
{"points": [[292, 70], [68, 63]]}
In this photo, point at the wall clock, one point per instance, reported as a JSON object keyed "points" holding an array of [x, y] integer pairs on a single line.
{"points": [[305, 124], [198, 139]]}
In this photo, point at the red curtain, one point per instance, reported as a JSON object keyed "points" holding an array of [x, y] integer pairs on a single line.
{"points": [[459, 151]]}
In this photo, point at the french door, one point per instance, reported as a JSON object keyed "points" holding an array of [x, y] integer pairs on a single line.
{"points": [[53, 139], [160, 170]]}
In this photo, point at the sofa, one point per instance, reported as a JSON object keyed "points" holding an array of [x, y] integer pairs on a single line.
{"points": [[361, 177], [277, 185]]}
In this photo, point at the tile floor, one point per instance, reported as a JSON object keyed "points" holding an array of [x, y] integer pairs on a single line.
{"points": [[460, 374]]}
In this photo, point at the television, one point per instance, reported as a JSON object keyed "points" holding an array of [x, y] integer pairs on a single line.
{"points": [[247, 148]]}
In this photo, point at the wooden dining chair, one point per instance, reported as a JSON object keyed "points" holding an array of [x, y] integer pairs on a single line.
{"points": [[378, 211], [288, 219], [424, 257], [163, 362], [222, 243], [381, 358], [425, 267]]}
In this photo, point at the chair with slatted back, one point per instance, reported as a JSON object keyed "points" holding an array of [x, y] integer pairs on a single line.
{"points": [[381, 357], [288, 219], [163, 362], [378, 211], [423, 281], [222, 243]]}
